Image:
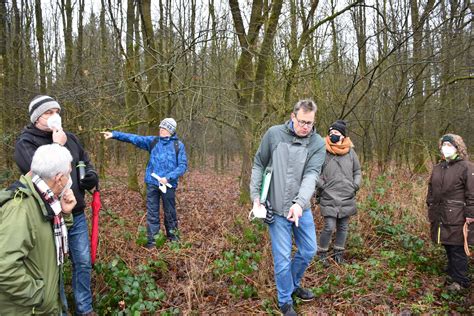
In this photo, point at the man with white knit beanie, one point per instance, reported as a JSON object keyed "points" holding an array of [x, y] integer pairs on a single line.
{"points": [[46, 128], [41, 104]]}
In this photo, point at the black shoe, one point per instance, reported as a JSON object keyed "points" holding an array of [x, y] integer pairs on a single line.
{"points": [[339, 256], [304, 294], [323, 257], [150, 246], [173, 238], [288, 310]]}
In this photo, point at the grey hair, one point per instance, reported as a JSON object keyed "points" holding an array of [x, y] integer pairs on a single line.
{"points": [[307, 105], [49, 160]]}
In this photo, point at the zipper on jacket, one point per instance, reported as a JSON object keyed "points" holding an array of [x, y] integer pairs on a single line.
{"points": [[443, 168]]}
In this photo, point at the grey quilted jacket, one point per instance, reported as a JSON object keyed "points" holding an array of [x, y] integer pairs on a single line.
{"points": [[338, 184], [296, 163]]}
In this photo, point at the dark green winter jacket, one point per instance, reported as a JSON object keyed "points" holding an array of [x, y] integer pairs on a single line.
{"points": [[29, 273]]}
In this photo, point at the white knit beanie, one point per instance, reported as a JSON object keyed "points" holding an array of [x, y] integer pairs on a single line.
{"points": [[169, 124], [41, 104]]}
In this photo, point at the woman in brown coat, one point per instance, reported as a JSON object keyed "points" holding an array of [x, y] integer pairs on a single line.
{"points": [[450, 203]]}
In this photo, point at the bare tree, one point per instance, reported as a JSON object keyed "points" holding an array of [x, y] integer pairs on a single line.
{"points": [[40, 39]]}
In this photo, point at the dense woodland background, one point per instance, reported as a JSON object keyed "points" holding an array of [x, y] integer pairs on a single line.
{"points": [[400, 72]]}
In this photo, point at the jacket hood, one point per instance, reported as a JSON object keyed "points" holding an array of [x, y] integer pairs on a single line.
{"points": [[168, 138], [31, 129], [30, 190], [458, 143]]}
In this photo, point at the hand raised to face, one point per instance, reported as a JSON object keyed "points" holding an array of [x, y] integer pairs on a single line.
{"points": [[68, 201]]}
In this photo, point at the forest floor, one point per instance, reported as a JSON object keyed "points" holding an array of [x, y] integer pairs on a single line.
{"points": [[223, 262]]}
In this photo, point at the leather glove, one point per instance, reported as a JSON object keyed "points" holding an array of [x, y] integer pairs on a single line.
{"points": [[89, 181]]}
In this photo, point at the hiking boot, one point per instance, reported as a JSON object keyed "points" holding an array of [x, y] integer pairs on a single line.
{"points": [[173, 238], [288, 310], [339, 256], [448, 280], [304, 294], [323, 257]]}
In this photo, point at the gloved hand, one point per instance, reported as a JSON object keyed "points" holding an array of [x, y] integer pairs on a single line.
{"points": [[89, 181]]}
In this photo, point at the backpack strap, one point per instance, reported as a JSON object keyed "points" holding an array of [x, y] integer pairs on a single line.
{"points": [[176, 150], [8, 193], [154, 142], [176, 146]]}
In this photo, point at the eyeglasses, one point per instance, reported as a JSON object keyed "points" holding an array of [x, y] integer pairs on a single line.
{"points": [[302, 123]]}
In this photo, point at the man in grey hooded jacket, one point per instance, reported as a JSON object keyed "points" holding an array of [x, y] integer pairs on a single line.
{"points": [[296, 153]]}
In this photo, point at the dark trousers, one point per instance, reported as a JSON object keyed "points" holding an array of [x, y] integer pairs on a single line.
{"points": [[457, 264], [342, 229], [153, 195]]}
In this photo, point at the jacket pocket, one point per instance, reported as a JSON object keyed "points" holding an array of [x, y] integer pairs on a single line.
{"points": [[453, 213], [347, 189]]}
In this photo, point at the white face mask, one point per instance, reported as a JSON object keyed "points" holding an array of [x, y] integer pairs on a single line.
{"points": [[448, 151], [54, 121], [66, 187]]}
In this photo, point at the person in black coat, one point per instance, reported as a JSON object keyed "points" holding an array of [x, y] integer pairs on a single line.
{"points": [[46, 128], [450, 202]]}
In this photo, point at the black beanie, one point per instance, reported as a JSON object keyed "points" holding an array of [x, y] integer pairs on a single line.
{"points": [[449, 139], [340, 126]]}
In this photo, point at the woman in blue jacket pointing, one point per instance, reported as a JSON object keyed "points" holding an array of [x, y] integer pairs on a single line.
{"points": [[167, 163]]}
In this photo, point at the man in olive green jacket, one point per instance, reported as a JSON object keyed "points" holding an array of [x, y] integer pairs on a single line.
{"points": [[29, 269]]}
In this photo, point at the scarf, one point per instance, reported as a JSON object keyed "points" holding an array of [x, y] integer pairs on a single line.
{"points": [[339, 149], [59, 227]]}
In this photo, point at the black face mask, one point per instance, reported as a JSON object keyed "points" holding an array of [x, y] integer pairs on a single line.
{"points": [[334, 138]]}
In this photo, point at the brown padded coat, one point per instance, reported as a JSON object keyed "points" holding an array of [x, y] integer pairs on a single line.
{"points": [[450, 200]]}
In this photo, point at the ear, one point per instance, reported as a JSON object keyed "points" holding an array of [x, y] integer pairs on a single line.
{"points": [[292, 115]]}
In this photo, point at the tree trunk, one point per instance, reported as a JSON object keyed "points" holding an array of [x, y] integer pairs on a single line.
{"points": [[3, 75], [66, 11], [40, 39], [80, 39], [131, 97], [266, 51], [249, 85], [156, 111], [417, 76]]}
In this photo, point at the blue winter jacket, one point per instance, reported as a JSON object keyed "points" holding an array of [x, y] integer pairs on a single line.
{"points": [[162, 156]]}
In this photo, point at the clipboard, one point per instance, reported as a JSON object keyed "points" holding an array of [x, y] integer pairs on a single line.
{"points": [[266, 179]]}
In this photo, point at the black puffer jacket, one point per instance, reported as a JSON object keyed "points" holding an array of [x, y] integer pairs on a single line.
{"points": [[450, 200], [31, 138]]}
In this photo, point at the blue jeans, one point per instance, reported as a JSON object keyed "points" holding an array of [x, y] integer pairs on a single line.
{"points": [[330, 224], [79, 249], [153, 194], [289, 271]]}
